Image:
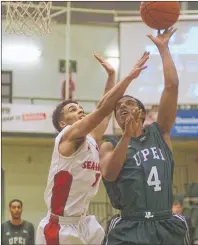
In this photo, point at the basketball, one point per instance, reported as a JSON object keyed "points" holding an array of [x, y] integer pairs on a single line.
{"points": [[160, 15]]}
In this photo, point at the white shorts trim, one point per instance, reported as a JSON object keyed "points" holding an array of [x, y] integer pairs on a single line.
{"points": [[187, 235], [68, 220]]}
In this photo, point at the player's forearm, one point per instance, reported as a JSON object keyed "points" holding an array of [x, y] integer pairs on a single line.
{"points": [[98, 132], [170, 72], [106, 105], [109, 101], [109, 85], [117, 159]]}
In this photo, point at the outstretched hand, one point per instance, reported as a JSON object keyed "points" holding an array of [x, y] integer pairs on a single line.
{"points": [[109, 68], [140, 66], [162, 40], [133, 123]]}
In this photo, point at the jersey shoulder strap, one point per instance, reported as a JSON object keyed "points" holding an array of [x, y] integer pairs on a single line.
{"points": [[59, 136], [27, 225], [156, 133], [153, 127]]}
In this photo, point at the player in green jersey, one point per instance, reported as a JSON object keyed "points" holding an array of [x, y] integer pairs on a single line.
{"points": [[137, 169], [17, 231]]}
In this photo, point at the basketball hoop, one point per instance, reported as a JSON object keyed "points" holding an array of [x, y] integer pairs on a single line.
{"points": [[28, 18]]}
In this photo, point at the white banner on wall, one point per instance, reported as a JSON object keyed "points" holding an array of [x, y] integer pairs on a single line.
{"points": [[17, 118], [27, 118]]}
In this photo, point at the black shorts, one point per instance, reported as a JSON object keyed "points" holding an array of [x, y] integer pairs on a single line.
{"points": [[168, 231]]}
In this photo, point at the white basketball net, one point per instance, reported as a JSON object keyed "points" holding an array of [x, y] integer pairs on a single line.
{"points": [[28, 18]]}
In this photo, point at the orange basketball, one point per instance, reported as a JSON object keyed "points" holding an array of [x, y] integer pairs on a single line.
{"points": [[160, 15]]}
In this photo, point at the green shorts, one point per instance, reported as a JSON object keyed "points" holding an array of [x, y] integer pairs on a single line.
{"points": [[134, 230]]}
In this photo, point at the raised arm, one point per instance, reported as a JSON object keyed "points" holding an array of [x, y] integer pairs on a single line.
{"points": [[84, 126], [98, 132], [168, 101], [112, 160]]}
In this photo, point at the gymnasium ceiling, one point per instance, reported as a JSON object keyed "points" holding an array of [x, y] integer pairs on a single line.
{"points": [[87, 18]]}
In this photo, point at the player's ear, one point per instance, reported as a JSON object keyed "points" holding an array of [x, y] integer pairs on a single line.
{"points": [[62, 124]]}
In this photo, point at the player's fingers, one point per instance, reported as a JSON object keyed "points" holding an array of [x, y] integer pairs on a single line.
{"points": [[133, 114], [142, 63], [143, 68], [144, 54], [151, 37], [136, 113], [96, 54], [99, 57], [139, 113], [143, 59], [142, 3], [166, 31], [140, 117], [170, 30], [129, 120], [130, 115], [173, 31], [135, 110]]}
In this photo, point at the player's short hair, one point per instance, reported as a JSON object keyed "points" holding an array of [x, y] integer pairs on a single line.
{"points": [[139, 104], [15, 200], [57, 113], [177, 202]]}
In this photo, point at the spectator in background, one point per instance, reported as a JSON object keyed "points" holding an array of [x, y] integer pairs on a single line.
{"points": [[177, 208], [71, 88], [17, 231]]}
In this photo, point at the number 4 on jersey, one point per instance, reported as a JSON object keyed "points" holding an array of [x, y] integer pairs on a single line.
{"points": [[155, 182]]}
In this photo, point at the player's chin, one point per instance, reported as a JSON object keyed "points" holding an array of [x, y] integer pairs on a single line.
{"points": [[80, 118], [16, 216], [121, 122], [124, 118]]}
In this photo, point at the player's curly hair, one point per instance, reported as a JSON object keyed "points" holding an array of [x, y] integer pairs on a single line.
{"points": [[139, 104], [58, 113]]}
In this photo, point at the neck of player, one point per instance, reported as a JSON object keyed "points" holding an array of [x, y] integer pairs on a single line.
{"points": [[17, 221]]}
